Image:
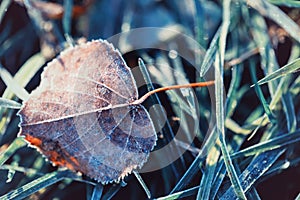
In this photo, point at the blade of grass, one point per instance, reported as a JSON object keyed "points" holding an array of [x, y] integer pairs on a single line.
{"points": [[274, 13], [97, 192], [12, 85], [15, 145], [3, 8], [295, 88], [234, 93], [113, 191], [260, 94], [209, 173], [219, 93], [288, 3], [220, 173], [289, 110], [199, 26], [66, 21], [180, 194], [268, 145], [236, 128], [7, 103], [159, 113], [254, 171], [195, 166], [29, 69], [143, 184], [295, 52], [22, 77], [37, 184], [30, 172], [268, 59], [283, 71], [210, 53]]}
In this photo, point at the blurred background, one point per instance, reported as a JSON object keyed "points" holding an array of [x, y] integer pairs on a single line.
{"points": [[34, 32]]}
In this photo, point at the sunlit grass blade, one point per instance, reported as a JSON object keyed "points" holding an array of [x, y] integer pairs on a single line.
{"points": [[7, 103], [295, 88], [15, 145], [12, 85], [22, 77], [285, 70], [37, 184], [236, 128]]}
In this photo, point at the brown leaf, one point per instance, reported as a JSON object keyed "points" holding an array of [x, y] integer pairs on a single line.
{"points": [[82, 115]]}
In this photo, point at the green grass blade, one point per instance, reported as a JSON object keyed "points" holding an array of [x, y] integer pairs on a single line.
{"points": [[268, 61], [210, 53], [289, 110], [7, 103], [38, 184], [219, 91], [283, 71], [13, 147], [234, 93], [260, 94], [209, 174], [295, 88]]}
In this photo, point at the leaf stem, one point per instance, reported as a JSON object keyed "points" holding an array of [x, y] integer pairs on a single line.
{"points": [[190, 85]]}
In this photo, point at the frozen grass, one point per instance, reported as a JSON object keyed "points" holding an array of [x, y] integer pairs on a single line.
{"points": [[254, 107]]}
